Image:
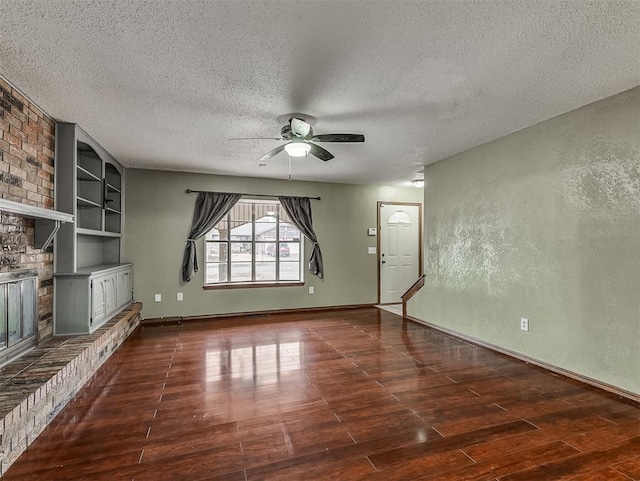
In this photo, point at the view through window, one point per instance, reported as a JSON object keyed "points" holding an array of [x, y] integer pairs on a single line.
{"points": [[254, 243]]}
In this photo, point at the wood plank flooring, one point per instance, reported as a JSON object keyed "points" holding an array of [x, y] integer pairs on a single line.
{"points": [[343, 395]]}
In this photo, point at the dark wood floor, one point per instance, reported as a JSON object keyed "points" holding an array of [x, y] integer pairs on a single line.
{"points": [[345, 395]]}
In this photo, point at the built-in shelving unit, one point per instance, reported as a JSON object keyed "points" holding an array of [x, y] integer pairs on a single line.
{"points": [[89, 185]]}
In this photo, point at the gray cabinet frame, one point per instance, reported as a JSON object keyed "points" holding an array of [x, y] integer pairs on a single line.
{"points": [[87, 253]]}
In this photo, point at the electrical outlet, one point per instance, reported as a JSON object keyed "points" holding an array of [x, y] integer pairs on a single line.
{"points": [[158, 297], [179, 296], [310, 289], [524, 324]]}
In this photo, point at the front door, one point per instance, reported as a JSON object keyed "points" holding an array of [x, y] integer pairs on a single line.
{"points": [[399, 255]]}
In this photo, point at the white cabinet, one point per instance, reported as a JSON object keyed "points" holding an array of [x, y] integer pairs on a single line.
{"points": [[124, 286], [98, 300], [95, 295], [110, 293]]}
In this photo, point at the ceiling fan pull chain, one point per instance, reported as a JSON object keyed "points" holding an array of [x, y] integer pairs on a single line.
{"points": [[289, 167]]}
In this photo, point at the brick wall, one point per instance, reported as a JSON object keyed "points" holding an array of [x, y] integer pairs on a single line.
{"points": [[26, 175]]}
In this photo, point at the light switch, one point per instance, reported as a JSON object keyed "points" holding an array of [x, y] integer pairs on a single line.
{"points": [[371, 250]]}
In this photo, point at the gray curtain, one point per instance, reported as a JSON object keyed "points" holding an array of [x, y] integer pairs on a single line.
{"points": [[299, 210], [209, 209]]}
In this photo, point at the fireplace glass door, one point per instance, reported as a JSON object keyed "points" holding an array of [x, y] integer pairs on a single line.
{"points": [[17, 313]]}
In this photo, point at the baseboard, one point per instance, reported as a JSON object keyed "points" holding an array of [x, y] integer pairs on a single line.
{"points": [[250, 314], [627, 395]]}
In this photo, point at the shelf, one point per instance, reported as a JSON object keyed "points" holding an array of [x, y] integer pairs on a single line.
{"points": [[90, 270], [97, 233], [113, 205], [112, 221], [90, 191], [98, 195], [113, 178], [47, 221], [33, 212], [89, 160], [112, 189], [84, 203], [84, 174]]}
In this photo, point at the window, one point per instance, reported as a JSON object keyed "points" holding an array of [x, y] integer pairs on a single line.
{"points": [[254, 243], [399, 217]]}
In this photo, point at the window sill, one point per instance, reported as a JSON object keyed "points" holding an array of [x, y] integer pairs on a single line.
{"points": [[249, 285]]}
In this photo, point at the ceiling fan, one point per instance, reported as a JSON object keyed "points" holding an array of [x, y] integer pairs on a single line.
{"points": [[301, 141]]}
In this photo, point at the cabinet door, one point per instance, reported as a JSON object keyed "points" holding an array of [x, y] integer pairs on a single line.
{"points": [[110, 293], [124, 287], [98, 300]]}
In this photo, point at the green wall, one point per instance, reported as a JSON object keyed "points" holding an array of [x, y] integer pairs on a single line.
{"points": [[543, 224], [157, 222]]}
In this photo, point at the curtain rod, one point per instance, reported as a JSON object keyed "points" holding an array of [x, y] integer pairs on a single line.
{"points": [[190, 191]]}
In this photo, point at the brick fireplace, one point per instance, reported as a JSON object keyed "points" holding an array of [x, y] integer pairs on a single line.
{"points": [[38, 383], [26, 176], [38, 377]]}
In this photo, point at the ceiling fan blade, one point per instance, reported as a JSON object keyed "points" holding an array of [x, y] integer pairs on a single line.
{"points": [[319, 152], [273, 152], [300, 128], [338, 138], [258, 138]]}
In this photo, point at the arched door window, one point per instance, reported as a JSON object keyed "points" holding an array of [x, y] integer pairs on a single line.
{"points": [[399, 217]]}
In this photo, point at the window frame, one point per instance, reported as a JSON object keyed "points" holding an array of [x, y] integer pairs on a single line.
{"points": [[256, 244]]}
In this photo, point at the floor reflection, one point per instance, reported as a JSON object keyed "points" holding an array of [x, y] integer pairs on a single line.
{"points": [[247, 362]]}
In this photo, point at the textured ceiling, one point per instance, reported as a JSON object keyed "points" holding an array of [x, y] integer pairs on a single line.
{"points": [[165, 84]]}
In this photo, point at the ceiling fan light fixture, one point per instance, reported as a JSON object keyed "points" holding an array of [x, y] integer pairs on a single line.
{"points": [[297, 149]]}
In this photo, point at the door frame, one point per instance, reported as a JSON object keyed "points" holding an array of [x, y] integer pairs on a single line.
{"points": [[379, 222]]}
